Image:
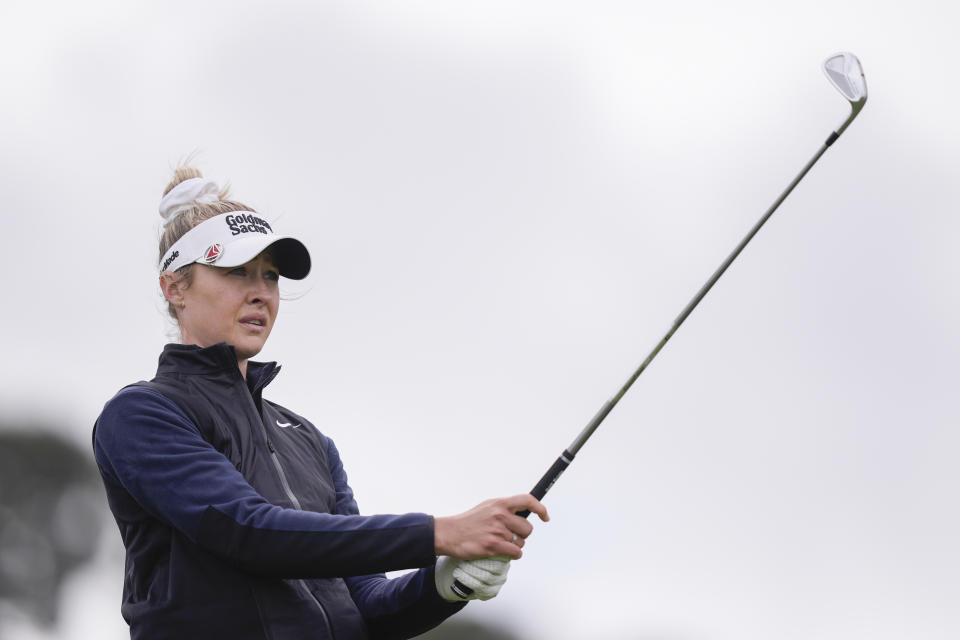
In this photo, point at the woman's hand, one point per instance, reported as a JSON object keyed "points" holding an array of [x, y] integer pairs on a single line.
{"points": [[492, 528]]}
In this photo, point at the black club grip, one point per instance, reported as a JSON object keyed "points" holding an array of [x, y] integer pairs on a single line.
{"points": [[559, 466]]}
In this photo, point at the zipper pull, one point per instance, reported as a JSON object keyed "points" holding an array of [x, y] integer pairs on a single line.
{"points": [[270, 446]]}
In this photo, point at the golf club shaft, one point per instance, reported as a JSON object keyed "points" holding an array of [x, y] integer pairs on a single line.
{"points": [[562, 462]]}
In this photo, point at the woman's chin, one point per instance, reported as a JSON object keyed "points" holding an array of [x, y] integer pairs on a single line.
{"points": [[247, 349]]}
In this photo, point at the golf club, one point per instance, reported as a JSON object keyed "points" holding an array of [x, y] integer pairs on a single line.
{"points": [[845, 73]]}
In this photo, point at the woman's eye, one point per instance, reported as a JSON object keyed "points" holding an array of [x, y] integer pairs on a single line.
{"points": [[272, 275]]}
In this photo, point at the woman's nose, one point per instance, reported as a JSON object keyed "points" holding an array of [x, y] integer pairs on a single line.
{"points": [[261, 291]]}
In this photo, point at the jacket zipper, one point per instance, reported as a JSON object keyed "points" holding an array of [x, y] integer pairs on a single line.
{"points": [[286, 488], [296, 504], [283, 476]]}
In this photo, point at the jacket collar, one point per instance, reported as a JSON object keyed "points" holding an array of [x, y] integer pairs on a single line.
{"points": [[218, 359]]}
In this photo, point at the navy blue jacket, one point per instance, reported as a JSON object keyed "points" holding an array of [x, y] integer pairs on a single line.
{"points": [[238, 521]]}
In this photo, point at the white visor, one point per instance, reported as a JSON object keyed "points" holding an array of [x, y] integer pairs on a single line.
{"points": [[235, 238]]}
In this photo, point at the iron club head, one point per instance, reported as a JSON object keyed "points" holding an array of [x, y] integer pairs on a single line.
{"points": [[845, 73]]}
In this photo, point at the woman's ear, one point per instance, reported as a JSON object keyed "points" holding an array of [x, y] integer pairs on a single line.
{"points": [[173, 287]]}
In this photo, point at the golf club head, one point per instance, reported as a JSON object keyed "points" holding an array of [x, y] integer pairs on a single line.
{"points": [[844, 72]]}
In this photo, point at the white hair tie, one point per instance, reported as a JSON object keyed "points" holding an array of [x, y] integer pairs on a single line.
{"points": [[185, 195]]}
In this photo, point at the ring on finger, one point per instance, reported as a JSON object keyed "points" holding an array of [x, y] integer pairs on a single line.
{"points": [[514, 541]]}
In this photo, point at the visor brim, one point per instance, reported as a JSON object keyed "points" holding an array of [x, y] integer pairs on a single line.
{"points": [[289, 255]]}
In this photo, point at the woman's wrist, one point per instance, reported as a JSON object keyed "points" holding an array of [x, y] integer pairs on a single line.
{"points": [[440, 529]]}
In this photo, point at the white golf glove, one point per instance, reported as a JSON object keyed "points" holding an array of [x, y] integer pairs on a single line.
{"points": [[484, 576]]}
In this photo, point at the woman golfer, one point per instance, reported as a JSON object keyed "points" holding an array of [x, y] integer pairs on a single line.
{"points": [[235, 512]]}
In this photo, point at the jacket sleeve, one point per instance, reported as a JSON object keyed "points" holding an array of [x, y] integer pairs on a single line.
{"points": [[146, 446], [401, 607]]}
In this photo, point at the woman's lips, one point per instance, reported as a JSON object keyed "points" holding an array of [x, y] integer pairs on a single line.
{"points": [[254, 323]]}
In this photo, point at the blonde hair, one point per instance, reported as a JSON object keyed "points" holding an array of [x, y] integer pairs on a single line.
{"points": [[190, 218]]}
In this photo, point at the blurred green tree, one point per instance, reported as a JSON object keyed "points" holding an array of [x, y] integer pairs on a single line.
{"points": [[50, 517]]}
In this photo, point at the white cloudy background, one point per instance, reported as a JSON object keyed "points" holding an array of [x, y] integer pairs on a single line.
{"points": [[507, 205]]}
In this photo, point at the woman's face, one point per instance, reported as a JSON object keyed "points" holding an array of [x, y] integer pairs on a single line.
{"points": [[236, 305]]}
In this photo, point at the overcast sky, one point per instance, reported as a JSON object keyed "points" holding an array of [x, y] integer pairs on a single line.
{"points": [[507, 205]]}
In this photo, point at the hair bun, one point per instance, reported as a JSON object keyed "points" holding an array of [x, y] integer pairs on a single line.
{"points": [[181, 173], [185, 195]]}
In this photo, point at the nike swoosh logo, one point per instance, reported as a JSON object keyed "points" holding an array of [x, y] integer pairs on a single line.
{"points": [[284, 425]]}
